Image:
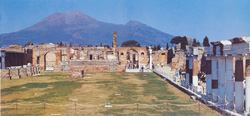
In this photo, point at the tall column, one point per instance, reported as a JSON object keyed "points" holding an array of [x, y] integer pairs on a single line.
{"points": [[221, 80], [195, 71], [229, 82], [150, 57], [239, 88], [190, 71], [187, 72], [214, 79], [247, 89], [3, 62], [208, 78], [114, 40]]}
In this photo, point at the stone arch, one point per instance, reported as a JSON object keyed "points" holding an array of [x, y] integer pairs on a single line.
{"points": [[133, 55], [50, 61]]}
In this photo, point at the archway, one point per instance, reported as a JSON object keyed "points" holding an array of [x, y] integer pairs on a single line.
{"points": [[133, 58], [50, 61]]}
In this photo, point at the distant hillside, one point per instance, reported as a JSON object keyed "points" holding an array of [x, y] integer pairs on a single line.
{"points": [[78, 28]]}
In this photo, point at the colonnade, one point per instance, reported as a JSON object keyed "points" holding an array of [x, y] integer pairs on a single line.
{"points": [[227, 72]]}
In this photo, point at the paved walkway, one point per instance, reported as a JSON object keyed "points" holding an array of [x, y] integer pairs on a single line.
{"points": [[170, 76]]}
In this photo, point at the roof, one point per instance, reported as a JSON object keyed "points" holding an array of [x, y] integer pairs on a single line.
{"points": [[223, 42], [243, 39], [12, 52]]}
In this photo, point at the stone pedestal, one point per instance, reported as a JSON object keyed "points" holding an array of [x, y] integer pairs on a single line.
{"points": [[195, 72], [77, 73]]}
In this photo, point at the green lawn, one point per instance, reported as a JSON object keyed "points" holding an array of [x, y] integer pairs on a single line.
{"points": [[86, 96]]}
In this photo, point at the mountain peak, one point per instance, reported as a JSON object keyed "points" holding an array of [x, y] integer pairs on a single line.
{"points": [[134, 23], [77, 27], [76, 13]]}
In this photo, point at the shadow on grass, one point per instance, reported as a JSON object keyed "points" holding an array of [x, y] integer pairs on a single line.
{"points": [[58, 92]]}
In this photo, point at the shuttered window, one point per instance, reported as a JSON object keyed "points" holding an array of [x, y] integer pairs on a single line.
{"points": [[208, 67], [214, 84]]}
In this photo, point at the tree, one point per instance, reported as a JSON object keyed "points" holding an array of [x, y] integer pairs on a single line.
{"points": [[107, 46], [154, 48], [198, 44], [158, 47], [61, 44], [101, 44], [206, 42], [194, 42], [70, 45], [138, 45], [179, 39], [167, 47], [130, 43], [29, 43]]}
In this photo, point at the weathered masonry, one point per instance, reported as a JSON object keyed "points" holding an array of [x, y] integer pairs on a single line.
{"points": [[228, 73], [193, 56]]}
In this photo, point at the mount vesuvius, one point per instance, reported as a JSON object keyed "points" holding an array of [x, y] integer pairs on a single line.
{"points": [[78, 28]]}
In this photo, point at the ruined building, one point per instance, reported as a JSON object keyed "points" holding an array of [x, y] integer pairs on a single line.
{"points": [[51, 57]]}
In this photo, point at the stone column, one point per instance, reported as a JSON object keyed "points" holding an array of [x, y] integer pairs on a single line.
{"points": [[208, 78], [190, 70], [214, 79], [150, 57], [114, 40], [3, 62], [187, 71], [247, 89], [221, 79], [195, 72], [239, 88], [229, 82]]}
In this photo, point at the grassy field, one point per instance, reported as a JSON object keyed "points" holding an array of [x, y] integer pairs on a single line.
{"points": [[58, 94]]}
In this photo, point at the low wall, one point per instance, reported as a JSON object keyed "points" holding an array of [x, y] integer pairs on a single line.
{"points": [[120, 68], [95, 66], [92, 68], [19, 72]]}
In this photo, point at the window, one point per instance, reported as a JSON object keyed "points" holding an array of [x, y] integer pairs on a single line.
{"points": [[90, 57], [162, 53], [208, 67], [239, 70], [121, 53], [142, 53], [187, 65], [38, 59], [214, 84]]}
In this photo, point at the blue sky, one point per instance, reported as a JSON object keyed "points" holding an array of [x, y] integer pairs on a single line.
{"points": [[218, 19]]}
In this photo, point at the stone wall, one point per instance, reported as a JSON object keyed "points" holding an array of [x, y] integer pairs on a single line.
{"points": [[120, 68], [92, 68], [179, 61], [95, 66], [19, 72]]}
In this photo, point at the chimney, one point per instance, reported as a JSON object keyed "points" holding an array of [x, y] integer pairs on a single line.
{"points": [[114, 40]]}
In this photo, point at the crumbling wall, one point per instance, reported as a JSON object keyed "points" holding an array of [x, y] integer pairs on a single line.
{"points": [[179, 61], [19, 72]]}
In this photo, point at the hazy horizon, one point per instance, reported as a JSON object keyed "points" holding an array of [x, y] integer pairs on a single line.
{"points": [[219, 20]]}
